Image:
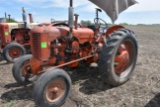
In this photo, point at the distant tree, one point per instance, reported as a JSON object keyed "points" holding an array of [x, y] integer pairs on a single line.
{"points": [[86, 22], [11, 20], [124, 24], [141, 24]]}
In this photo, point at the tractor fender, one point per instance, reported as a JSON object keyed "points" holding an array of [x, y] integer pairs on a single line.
{"points": [[112, 29]]}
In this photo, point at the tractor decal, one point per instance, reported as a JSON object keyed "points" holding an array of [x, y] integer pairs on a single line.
{"points": [[6, 33], [43, 44]]}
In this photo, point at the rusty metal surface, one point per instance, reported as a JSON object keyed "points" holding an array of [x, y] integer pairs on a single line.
{"points": [[112, 29], [55, 90], [42, 36], [51, 47], [5, 34]]}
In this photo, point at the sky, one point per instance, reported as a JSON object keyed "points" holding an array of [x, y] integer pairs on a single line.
{"points": [[145, 12]]}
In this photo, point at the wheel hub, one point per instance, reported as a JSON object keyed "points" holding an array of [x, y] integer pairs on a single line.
{"points": [[26, 70], [122, 60], [55, 90], [125, 58], [14, 53]]}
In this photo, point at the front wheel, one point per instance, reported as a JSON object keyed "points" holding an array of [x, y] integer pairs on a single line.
{"points": [[118, 57], [13, 51], [52, 88], [22, 71]]}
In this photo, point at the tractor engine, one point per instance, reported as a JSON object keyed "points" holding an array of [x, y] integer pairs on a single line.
{"points": [[20, 35], [50, 45]]}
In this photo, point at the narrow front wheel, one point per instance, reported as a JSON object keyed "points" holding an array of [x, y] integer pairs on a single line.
{"points": [[52, 88], [22, 71]]}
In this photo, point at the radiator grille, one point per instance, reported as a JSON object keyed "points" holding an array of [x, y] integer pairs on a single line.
{"points": [[35, 45]]}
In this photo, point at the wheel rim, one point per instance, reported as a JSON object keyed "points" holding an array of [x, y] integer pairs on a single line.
{"points": [[55, 90], [14, 52], [124, 58], [26, 70]]}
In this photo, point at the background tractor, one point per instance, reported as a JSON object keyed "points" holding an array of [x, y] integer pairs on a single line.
{"points": [[114, 48], [14, 38]]}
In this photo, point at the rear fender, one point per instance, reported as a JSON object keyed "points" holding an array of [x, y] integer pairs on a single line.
{"points": [[112, 29]]}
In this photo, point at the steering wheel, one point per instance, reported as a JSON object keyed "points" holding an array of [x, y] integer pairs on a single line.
{"points": [[99, 22], [52, 20]]}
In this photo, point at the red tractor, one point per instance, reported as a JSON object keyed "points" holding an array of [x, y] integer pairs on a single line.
{"points": [[55, 47], [14, 38]]}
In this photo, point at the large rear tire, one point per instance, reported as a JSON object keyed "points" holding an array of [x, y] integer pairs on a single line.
{"points": [[52, 88], [22, 72], [118, 57], [13, 51]]}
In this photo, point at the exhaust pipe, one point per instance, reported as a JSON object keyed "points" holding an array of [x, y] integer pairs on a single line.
{"points": [[76, 21], [24, 17], [71, 19], [30, 18]]}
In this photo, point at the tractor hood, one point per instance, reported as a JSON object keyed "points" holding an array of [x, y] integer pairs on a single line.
{"points": [[53, 31], [32, 25], [113, 7], [14, 26]]}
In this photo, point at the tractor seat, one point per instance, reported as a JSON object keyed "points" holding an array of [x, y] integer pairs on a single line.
{"points": [[92, 27], [103, 30]]}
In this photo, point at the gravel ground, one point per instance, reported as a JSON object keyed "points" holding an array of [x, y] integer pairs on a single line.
{"points": [[88, 90]]}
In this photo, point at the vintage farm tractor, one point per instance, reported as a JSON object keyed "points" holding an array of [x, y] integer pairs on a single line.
{"points": [[114, 48], [14, 38]]}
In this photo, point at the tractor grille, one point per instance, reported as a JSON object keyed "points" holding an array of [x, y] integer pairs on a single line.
{"points": [[35, 45]]}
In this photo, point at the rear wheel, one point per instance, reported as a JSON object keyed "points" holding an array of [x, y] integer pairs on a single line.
{"points": [[22, 71], [118, 57], [52, 88], [13, 51]]}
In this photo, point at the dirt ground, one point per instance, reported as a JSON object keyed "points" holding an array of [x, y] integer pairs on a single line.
{"points": [[88, 90]]}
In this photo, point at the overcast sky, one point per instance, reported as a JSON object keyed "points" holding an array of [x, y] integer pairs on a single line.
{"points": [[146, 11]]}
